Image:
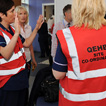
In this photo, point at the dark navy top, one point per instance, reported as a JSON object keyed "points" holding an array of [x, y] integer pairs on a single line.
{"points": [[60, 61], [20, 80]]}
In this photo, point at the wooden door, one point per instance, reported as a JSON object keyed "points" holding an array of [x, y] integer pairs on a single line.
{"points": [[17, 2]]}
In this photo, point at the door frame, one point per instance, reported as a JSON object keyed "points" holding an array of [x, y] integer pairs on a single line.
{"points": [[46, 4]]}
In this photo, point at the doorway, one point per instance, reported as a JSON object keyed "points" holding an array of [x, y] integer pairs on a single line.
{"points": [[47, 10]]}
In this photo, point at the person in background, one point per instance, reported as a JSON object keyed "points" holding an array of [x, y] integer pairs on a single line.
{"points": [[13, 71], [26, 31], [43, 40], [50, 22], [66, 22], [80, 62]]}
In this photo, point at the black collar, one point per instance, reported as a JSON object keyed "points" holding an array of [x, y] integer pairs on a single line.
{"points": [[11, 32]]}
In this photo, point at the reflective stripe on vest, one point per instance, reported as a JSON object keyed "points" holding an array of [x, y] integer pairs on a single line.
{"points": [[15, 57], [12, 71], [82, 97], [75, 62], [75, 74]]}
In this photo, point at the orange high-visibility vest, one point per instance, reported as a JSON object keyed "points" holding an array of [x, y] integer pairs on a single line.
{"points": [[17, 61], [85, 81]]}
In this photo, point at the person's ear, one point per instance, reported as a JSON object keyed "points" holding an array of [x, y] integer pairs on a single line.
{"points": [[1, 14], [65, 14]]}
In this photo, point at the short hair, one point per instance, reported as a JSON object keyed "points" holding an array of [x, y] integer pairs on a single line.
{"points": [[66, 8], [5, 5], [18, 8], [88, 12]]}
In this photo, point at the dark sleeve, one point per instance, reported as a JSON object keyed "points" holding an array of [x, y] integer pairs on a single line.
{"points": [[22, 39], [60, 61], [43, 29], [2, 41]]}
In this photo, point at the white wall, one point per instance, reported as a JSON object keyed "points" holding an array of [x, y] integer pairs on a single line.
{"points": [[59, 5]]}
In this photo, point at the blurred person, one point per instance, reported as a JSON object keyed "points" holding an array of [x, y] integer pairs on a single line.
{"points": [[13, 71], [80, 62], [50, 22], [43, 40], [26, 31], [66, 22]]}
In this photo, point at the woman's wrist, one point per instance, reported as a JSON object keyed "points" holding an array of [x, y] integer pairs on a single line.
{"points": [[36, 28], [16, 34]]}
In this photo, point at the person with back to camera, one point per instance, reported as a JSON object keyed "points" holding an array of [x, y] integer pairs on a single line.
{"points": [[13, 71], [65, 23], [80, 62], [26, 31], [43, 40]]}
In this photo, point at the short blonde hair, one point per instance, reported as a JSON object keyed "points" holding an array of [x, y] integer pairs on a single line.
{"points": [[88, 12], [18, 8]]}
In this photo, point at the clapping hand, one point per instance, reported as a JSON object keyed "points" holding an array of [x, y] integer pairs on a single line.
{"points": [[16, 25]]}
